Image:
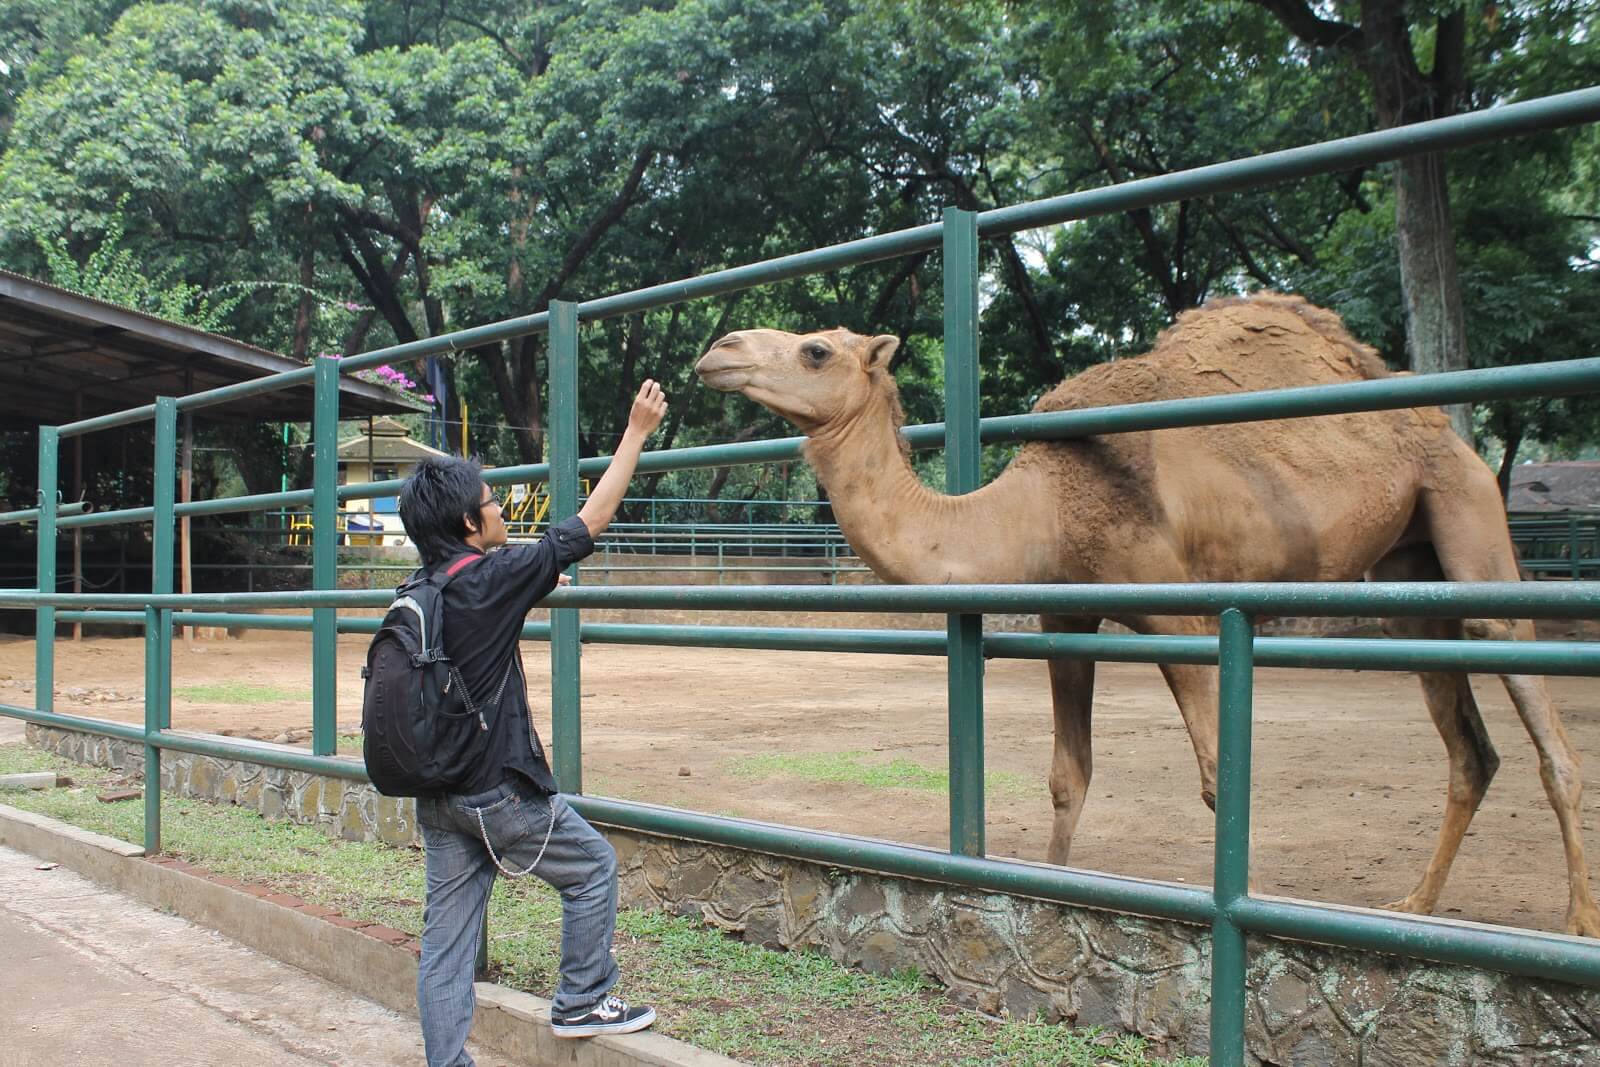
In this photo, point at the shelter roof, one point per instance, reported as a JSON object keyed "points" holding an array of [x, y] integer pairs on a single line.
{"points": [[57, 346], [390, 442], [1555, 486]]}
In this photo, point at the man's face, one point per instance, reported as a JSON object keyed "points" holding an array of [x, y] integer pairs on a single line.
{"points": [[489, 524]]}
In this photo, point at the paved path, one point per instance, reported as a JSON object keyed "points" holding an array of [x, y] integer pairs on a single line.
{"points": [[90, 977]]}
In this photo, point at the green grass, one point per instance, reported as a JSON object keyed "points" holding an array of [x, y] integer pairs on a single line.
{"points": [[240, 693], [857, 768], [783, 1009]]}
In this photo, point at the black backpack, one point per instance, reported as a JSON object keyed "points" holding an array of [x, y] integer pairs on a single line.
{"points": [[421, 732]]}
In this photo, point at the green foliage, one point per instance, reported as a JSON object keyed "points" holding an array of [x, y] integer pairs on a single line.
{"points": [[112, 273], [331, 175]]}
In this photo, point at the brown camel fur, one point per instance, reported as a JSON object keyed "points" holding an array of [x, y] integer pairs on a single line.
{"points": [[1394, 495]]}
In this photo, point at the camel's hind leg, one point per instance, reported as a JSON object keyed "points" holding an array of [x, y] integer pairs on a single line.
{"points": [[1473, 544], [1455, 713], [1072, 691]]}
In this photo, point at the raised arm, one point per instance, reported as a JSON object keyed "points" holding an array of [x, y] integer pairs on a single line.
{"points": [[649, 407]]}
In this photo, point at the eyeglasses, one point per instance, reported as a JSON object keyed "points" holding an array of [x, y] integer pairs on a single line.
{"points": [[494, 498]]}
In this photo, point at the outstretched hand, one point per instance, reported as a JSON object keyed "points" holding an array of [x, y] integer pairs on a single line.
{"points": [[649, 408]]}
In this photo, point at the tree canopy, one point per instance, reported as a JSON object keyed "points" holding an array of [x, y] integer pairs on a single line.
{"points": [[334, 176]]}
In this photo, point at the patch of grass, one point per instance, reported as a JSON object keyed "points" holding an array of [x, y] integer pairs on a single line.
{"points": [[240, 693], [857, 768], [774, 1009]]}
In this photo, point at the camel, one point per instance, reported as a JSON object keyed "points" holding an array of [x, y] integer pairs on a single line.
{"points": [[1393, 495]]}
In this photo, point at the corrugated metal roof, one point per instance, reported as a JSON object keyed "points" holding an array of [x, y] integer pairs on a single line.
{"points": [[1555, 486], [65, 356]]}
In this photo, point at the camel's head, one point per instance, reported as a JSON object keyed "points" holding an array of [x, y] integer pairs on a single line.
{"points": [[814, 380]]}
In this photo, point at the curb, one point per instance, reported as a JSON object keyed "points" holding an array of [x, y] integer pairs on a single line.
{"points": [[370, 960]]}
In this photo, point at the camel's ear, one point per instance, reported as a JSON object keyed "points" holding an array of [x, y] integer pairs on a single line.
{"points": [[879, 351]]}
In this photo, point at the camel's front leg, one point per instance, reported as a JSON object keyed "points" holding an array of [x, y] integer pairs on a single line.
{"points": [[1072, 690]]}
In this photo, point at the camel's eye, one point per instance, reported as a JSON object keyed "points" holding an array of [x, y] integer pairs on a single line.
{"points": [[816, 353]]}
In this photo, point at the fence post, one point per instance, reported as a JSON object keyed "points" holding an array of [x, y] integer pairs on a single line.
{"points": [[961, 457], [44, 643], [325, 556], [163, 555], [566, 713], [1231, 873], [1572, 546], [152, 725]]}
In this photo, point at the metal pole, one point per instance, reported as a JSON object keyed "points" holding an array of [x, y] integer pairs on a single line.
{"points": [[163, 527], [1231, 874], [325, 555], [152, 725], [185, 524], [962, 456], [566, 714], [44, 641], [77, 491]]}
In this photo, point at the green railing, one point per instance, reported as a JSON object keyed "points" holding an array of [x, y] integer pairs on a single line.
{"points": [[1226, 907], [1562, 544]]}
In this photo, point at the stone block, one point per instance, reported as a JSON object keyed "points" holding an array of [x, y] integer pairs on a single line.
{"points": [[806, 892], [351, 825], [272, 802], [1105, 998], [976, 945], [1050, 945], [309, 804], [694, 878], [1421, 1026], [22, 783], [396, 821], [741, 891]]}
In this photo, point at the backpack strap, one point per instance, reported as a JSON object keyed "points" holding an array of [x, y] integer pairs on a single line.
{"points": [[458, 565]]}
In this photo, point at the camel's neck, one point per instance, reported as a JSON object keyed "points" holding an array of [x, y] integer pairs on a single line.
{"points": [[1005, 532]]}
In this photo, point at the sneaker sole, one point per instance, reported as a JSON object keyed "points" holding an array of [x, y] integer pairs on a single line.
{"points": [[600, 1029]]}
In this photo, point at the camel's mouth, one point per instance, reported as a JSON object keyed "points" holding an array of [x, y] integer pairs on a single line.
{"points": [[723, 372]]}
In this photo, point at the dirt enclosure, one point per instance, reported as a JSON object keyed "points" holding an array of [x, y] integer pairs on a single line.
{"points": [[1349, 783]]}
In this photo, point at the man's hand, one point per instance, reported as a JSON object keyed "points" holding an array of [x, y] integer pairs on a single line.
{"points": [[563, 579], [649, 408]]}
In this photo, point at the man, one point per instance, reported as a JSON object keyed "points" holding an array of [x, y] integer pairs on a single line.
{"points": [[509, 816]]}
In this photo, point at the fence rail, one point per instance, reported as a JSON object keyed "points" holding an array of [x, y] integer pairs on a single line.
{"points": [[1227, 907]]}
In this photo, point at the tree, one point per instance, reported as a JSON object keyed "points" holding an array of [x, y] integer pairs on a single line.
{"points": [[1382, 42]]}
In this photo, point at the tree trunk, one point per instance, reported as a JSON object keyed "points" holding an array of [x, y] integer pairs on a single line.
{"points": [[1436, 328], [304, 309], [1436, 332], [1513, 442]]}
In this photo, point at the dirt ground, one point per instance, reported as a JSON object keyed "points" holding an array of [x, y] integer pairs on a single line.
{"points": [[1349, 781]]}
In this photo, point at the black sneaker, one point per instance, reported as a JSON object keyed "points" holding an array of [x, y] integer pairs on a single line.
{"points": [[611, 1016]]}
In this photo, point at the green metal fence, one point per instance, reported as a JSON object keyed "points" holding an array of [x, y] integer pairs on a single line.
{"points": [[1226, 907]]}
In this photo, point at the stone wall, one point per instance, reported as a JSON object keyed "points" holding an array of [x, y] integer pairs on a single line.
{"points": [[1309, 1006]]}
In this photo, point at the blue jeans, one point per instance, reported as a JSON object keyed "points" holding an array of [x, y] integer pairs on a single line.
{"points": [[512, 820]]}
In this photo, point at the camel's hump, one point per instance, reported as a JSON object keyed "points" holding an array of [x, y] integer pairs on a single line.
{"points": [[1237, 344]]}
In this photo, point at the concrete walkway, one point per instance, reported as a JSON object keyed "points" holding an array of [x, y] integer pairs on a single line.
{"points": [[91, 977]]}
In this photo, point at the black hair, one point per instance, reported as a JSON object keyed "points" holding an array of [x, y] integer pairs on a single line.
{"points": [[434, 502]]}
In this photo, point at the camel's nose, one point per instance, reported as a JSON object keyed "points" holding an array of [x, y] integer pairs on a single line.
{"points": [[720, 365]]}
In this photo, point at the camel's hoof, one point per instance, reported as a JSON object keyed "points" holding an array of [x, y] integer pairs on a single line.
{"points": [[1407, 905], [1585, 923]]}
